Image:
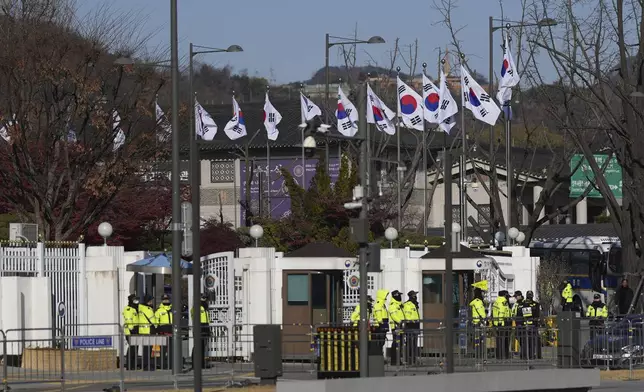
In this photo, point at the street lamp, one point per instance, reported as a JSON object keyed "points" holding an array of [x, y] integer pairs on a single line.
{"points": [[391, 234], [331, 41], [546, 22], [195, 184]]}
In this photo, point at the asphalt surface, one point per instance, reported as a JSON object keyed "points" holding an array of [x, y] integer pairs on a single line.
{"points": [[223, 375]]}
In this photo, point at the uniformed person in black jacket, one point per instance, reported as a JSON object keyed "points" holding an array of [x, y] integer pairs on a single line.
{"points": [[528, 315]]}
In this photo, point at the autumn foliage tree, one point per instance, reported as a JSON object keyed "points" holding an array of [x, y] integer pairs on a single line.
{"points": [[59, 165], [318, 213]]}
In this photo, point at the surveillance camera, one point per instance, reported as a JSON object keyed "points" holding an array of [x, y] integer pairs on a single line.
{"points": [[309, 146], [324, 128]]}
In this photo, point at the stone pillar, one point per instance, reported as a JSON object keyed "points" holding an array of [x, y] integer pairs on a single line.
{"points": [[582, 212], [536, 192], [525, 219]]}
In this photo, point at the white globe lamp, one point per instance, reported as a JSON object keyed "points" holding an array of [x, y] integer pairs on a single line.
{"points": [[499, 236], [391, 234], [105, 230], [513, 232], [256, 232], [456, 227], [520, 237]]}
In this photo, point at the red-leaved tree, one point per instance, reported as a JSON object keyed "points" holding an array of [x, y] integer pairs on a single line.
{"points": [[65, 155]]}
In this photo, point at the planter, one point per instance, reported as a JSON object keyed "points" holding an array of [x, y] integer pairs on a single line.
{"points": [[75, 360]]}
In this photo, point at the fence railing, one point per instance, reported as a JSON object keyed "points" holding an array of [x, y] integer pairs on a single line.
{"points": [[105, 356]]}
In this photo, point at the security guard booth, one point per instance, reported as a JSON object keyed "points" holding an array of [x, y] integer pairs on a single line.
{"points": [[338, 351]]}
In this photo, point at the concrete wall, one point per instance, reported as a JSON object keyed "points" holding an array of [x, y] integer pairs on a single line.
{"points": [[25, 304], [508, 381]]}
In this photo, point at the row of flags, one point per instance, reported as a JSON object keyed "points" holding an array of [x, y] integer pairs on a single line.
{"points": [[435, 106]]}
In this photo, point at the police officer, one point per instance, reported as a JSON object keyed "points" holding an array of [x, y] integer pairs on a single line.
{"points": [[131, 327], [529, 315], [412, 326], [477, 309], [205, 330], [163, 316], [396, 318], [566, 296], [518, 330], [381, 319], [355, 315], [501, 321], [597, 312], [147, 326]]}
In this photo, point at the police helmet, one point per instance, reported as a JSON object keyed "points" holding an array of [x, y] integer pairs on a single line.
{"points": [[597, 296], [518, 293], [529, 294], [204, 298]]}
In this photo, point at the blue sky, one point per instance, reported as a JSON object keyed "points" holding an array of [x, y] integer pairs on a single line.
{"points": [[283, 40]]}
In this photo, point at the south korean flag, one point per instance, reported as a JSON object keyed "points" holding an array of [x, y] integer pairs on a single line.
{"points": [[271, 119], [477, 100], [347, 115]]}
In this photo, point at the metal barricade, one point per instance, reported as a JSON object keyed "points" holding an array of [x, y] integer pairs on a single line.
{"points": [[338, 352]]}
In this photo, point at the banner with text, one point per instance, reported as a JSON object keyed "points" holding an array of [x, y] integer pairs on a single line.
{"points": [[280, 202], [584, 176]]}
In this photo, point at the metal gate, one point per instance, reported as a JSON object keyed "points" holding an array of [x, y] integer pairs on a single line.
{"points": [[60, 264], [351, 292], [219, 269]]}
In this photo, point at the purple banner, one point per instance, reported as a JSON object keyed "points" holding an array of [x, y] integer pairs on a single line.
{"points": [[280, 202]]}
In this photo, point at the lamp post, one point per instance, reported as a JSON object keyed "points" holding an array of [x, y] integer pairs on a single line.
{"points": [[363, 204], [329, 42], [177, 362], [195, 185], [547, 22]]}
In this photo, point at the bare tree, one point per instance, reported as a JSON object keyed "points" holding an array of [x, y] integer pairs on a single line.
{"points": [[532, 134], [598, 55], [550, 274], [61, 94]]}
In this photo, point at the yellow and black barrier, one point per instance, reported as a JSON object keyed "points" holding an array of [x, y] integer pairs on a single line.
{"points": [[338, 352]]}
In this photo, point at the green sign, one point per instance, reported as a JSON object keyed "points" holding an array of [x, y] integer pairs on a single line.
{"points": [[584, 176]]}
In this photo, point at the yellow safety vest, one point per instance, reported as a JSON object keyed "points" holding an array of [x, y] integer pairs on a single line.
{"points": [[203, 315], [567, 294], [380, 313], [597, 310], [396, 315], [411, 312], [130, 319], [478, 310], [500, 312], [164, 315], [146, 319], [355, 316]]}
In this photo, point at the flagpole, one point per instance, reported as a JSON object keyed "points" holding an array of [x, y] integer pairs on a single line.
{"points": [[268, 169], [156, 139], [368, 141], [424, 168], [303, 128], [398, 209], [508, 163], [463, 167]]}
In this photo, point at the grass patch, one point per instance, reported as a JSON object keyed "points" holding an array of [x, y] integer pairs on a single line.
{"points": [[621, 375]]}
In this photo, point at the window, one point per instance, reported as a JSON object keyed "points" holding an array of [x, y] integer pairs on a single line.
{"points": [[456, 214], [580, 262], [433, 289], [222, 171], [297, 286], [481, 217]]}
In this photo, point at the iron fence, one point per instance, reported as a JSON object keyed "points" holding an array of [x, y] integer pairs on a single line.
{"points": [[102, 354]]}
